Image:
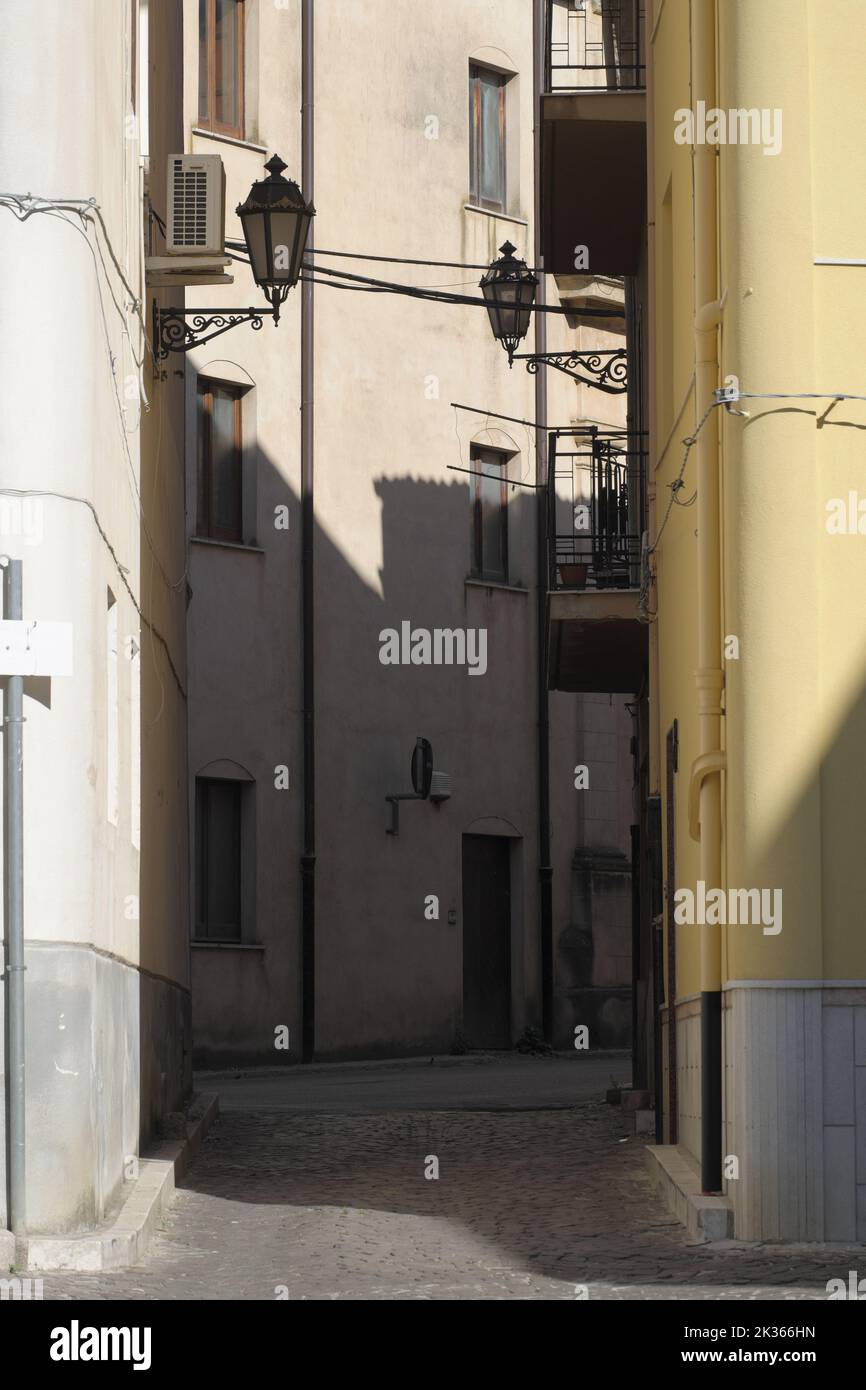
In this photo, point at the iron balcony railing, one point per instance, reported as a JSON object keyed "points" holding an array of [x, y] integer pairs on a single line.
{"points": [[596, 508], [595, 45]]}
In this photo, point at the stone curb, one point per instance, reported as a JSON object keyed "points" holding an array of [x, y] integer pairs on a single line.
{"points": [[247, 1072], [126, 1239], [676, 1176]]}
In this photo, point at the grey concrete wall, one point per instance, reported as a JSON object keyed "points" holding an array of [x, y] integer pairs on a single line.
{"points": [[95, 1026], [795, 1110]]}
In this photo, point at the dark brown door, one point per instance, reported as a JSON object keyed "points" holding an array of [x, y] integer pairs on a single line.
{"points": [[486, 941]]}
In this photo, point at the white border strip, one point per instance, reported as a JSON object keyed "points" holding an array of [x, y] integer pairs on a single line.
{"points": [[795, 984]]}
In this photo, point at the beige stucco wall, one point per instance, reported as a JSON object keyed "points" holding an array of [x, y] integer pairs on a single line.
{"points": [[392, 543]]}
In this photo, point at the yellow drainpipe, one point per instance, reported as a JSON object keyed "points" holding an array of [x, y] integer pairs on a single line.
{"points": [[706, 783]]}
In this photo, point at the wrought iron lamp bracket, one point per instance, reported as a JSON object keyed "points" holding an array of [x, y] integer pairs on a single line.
{"points": [[178, 330], [606, 370]]}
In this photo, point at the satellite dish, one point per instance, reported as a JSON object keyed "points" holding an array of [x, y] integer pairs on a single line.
{"points": [[422, 768]]}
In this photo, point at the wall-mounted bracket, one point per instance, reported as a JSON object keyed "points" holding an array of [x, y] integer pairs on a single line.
{"points": [[178, 330], [606, 370], [394, 802], [705, 766]]}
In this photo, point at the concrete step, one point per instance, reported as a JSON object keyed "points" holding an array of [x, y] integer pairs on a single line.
{"points": [[677, 1177]]}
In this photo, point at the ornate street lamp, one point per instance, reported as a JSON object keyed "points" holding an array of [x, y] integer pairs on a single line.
{"points": [[276, 222], [509, 290]]}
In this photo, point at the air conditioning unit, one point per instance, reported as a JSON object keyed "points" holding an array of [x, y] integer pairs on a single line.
{"points": [[195, 205]]}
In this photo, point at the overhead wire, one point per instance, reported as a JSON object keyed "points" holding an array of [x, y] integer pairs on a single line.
{"points": [[122, 570], [728, 401]]}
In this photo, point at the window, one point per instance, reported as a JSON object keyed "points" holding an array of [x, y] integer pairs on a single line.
{"points": [[133, 52], [220, 457], [487, 138], [218, 859], [489, 493], [133, 654], [112, 752], [221, 66]]}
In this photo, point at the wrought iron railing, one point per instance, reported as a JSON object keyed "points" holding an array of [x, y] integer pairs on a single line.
{"points": [[595, 45], [596, 508]]}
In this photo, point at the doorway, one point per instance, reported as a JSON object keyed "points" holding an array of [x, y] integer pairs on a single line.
{"points": [[487, 941]]}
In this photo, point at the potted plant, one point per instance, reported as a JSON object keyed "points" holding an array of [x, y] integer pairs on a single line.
{"points": [[573, 575]]}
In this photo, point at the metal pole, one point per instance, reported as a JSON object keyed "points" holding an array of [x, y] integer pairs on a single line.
{"points": [[13, 829]]}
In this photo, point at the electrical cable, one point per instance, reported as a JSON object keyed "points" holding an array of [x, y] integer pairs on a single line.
{"points": [[394, 260], [24, 206], [645, 614], [122, 570], [419, 292]]}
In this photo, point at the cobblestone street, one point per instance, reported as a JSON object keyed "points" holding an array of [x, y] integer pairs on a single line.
{"points": [[299, 1193]]}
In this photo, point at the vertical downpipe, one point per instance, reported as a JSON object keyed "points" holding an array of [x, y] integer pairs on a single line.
{"points": [[13, 829], [308, 858], [545, 870], [709, 676]]}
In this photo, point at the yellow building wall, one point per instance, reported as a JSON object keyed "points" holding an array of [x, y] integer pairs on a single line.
{"points": [[837, 39], [674, 407], [795, 726]]}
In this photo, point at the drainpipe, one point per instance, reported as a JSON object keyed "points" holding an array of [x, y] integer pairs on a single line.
{"points": [[308, 858], [13, 798], [545, 869], [705, 790]]}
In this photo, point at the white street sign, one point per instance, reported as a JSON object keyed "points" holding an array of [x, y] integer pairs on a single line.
{"points": [[33, 648]]}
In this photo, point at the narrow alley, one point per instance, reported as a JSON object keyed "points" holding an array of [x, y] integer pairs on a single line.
{"points": [[311, 1185]]}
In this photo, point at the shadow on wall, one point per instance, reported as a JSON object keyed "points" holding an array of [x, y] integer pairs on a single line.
{"points": [[388, 979]]}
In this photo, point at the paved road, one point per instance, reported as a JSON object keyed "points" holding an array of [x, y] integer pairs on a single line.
{"points": [[300, 1194], [490, 1081]]}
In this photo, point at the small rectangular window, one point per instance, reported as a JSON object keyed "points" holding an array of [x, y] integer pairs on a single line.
{"points": [[133, 53], [218, 848], [112, 714], [220, 462], [487, 138], [489, 493], [134, 657], [221, 66]]}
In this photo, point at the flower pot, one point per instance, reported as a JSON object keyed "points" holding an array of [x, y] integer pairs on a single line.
{"points": [[573, 576]]}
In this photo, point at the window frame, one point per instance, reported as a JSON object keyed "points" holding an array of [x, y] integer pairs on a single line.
{"points": [[206, 526], [481, 454], [209, 121], [476, 138]]}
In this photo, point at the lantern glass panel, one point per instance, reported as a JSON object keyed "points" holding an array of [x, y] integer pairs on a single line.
{"points": [[254, 234], [287, 252]]}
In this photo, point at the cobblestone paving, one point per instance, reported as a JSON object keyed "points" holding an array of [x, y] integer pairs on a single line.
{"points": [[528, 1205]]}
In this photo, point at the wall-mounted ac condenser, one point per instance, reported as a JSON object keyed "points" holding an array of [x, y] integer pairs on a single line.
{"points": [[195, 205]]}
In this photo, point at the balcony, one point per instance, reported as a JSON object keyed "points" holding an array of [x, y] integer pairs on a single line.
{"points": [[594, 135], [596, 522], [597, 44]]}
